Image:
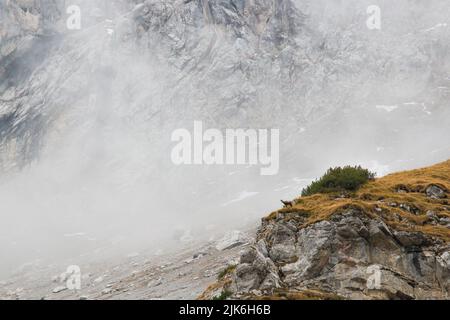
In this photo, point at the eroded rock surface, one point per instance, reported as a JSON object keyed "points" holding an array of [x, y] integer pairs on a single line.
{"points": [[351, 255]]}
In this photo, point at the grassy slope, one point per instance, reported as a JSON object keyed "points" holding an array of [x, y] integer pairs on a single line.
{"points": [[376, 199]]}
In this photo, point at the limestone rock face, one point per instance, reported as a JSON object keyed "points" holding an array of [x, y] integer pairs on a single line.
{"points": [[231, 240], [351, 255], [435, 192], [21, 21], [265, 63]]}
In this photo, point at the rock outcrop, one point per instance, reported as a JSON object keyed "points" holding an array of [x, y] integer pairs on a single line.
{"points": [[23, 21], [359, 249], [265, 63]]}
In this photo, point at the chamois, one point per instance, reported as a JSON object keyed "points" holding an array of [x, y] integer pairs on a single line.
{"points": [[287, 203]]}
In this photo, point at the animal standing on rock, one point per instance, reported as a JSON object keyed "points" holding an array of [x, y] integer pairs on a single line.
{"points": [[287, 204]]}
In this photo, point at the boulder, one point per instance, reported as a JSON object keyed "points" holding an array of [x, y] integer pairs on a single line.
{"points": [[351, 254], [435, 192], [231, 240]]}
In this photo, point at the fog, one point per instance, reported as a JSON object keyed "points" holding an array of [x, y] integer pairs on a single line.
{"points": [[86, 116]]}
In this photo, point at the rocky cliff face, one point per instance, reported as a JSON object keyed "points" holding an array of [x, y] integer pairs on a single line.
{"points": [[27, 28], [98, 105], [23, 22], [232, 63], [200, 58], [390, 241]]}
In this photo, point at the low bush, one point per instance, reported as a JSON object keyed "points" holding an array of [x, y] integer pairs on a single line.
{"points": [[223, 296], [339, 179]]}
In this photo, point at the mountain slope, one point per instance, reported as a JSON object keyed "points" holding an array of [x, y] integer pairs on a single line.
{"points": [[389, 240], [229, 63], [86, 116]]}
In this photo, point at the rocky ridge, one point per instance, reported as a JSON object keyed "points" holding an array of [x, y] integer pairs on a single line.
{"points": [[390, 240], [267, 63]]}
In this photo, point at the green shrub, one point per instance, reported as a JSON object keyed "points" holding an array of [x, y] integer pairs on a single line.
{"points": [[226, 271], [339, 179], [223, 296]]}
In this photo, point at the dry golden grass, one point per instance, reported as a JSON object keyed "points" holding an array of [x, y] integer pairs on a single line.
{"points": [[306, 294], [376, 198], [215, 288]]}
